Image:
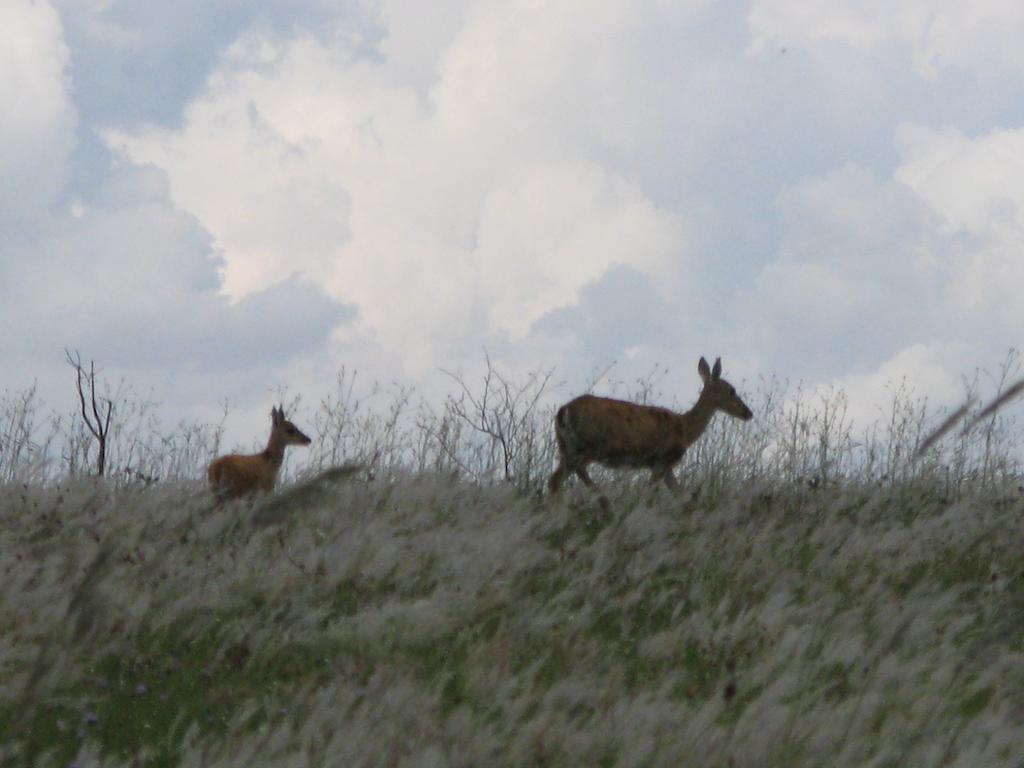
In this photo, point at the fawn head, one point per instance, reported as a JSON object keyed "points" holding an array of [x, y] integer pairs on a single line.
{"points": [[284, 431], [719, 393]]}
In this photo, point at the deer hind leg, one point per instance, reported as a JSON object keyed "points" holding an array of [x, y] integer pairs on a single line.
{"points": [[671, 482], [582, 474], [224, 490], [215, 476], [565, 468], [558, 477]]}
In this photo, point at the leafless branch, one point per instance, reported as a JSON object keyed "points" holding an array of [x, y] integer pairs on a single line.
{"points": [[98, 422], [504, 411]]}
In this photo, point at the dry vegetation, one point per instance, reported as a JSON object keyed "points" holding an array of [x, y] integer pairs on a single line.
{"points": [[819, 595]]}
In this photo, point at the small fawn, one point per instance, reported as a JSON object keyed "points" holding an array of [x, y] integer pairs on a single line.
{"points": [[617, 433], [234, 476]]}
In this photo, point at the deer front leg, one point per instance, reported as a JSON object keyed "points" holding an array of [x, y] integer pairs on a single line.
{"points": [[665, 475], [582, 474]]}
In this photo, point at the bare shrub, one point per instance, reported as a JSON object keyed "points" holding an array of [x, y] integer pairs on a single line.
{"points": [[507, 414], [23, 452], [500, 428], [439, 439], [184, 452], [38, 448], [367, 428], [889, 444]]}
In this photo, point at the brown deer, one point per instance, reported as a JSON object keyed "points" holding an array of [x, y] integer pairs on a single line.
{"points": [[617, 433], [234, 476]]}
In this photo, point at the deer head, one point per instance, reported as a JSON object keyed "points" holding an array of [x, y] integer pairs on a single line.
{"points": [[719, 394]]}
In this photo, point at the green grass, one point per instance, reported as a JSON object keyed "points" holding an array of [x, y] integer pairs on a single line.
{"points": [[492, 630]]}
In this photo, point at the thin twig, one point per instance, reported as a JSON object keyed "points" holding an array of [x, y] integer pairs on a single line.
{"points": [[943, 428], [994, 406]]}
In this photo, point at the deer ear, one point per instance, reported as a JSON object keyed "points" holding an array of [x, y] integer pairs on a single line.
{"points": [[275, 415], [716, 372], [703, 370]]}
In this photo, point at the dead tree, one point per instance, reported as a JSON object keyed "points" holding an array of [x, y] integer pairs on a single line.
{"points": [[96, 420]]}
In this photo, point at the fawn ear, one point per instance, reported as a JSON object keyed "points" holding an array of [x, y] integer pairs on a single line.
{"points": [[275, 415], [704, 370], [716, 372]]}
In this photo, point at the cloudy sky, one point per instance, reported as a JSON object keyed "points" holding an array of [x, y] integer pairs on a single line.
{"points": [[214, 198]]}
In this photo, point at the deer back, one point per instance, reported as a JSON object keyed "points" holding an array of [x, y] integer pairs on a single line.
{"points": [[619, 433], [235, 475]]}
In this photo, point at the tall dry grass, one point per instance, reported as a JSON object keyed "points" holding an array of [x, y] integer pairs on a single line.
{"points": [[499, 429], [824, 592]]}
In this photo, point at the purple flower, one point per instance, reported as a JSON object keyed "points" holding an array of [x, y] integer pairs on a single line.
{"points": [[141, 689]]}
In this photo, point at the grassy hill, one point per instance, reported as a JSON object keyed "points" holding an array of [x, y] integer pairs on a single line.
{"points": [[425, 621]]}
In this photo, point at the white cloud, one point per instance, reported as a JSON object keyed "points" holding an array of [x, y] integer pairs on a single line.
{"points": [[921, 373], [859, 272], [463, 212], [916, 276], [545, 236], [816, 289], [415, 34], [573, 183], [976, 186], [490, 182], [38, 120], [932, 370], [980, 35], [132, 282], [788, 21], [579, 74]]}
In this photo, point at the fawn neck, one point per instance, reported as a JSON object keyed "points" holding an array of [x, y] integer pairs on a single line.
{"points": [[274, 452], [696, 420]]}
